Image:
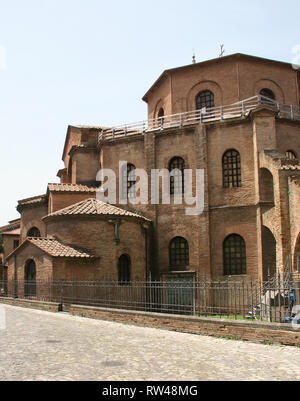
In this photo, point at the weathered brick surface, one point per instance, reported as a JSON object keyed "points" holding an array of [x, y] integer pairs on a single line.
{"points": [[247, 331], [264, 210], [46, 306], [231, 79]]}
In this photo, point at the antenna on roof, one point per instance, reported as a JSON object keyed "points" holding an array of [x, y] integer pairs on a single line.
{"points": [[194, 57], [222, 51]]}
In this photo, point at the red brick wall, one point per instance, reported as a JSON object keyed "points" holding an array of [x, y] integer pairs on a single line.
{"points": [[97, 236], [32, 217]]}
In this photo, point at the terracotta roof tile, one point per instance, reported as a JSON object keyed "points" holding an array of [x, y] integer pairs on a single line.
{"points": [[95, 207], [55, 248], [70, 188], [30, 201], [14, 224], [17, 231]]}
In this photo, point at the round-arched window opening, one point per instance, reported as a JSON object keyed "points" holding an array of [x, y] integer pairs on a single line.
{"points": [[161, 113], [176, 169], [234, 253], [30, 279], [34, 232], [232, 172], [267, 93], [179, 253], [124, 270], [205, 99]]}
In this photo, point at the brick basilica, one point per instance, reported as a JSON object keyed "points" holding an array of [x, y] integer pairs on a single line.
{"points": [[235, 117]]}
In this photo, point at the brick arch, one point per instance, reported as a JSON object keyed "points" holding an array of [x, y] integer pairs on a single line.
{"points": [[266, 185], [123, 251], [159, 105], [269, 84], [269, 256], [167, 159], [212, 86], [296, 255]]}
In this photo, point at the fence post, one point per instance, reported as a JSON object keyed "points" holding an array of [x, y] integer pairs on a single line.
{"points": [[292, 112], [279, 297], [243, 109], [270, 307]]}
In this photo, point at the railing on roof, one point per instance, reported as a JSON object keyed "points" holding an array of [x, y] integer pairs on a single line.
{"points": [[239, 109]]}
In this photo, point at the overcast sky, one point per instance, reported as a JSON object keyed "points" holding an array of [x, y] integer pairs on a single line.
{"points": [[91, 61]]}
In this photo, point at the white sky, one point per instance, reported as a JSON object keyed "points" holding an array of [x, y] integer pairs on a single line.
{"points": [[91, 61]]}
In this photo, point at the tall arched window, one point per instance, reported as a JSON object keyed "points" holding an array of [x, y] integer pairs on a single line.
{"points": [[291, 155], [30, 279], [232, 175], [176, 167], [128, 181], [34, 233], [267, 93], [161, 113], [179, 253], [234, 253], [205, 99], [124, 270]]}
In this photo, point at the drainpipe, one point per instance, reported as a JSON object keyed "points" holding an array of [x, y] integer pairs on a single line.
{"points": [[146, 266]]}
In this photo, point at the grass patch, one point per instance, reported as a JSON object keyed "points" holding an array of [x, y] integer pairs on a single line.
{"points": [[266, 342], [232, 317], [229, 338]]}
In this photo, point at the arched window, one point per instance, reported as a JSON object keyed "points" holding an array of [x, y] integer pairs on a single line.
{"points": [[267, 93], [30, 279], [124, 270], [176, 167], [232, 175], [161, 113], [128, 181], [179, 253], [205, 99], [34, 233], [291, 155], [234, 252]]}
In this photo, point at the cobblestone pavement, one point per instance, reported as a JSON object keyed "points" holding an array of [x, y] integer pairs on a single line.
{"points": [[40, 345]]}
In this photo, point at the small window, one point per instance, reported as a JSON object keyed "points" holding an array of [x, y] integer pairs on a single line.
{"points": [[161, 113], [16, 244], [267, 93], [34, 233], [128, 181], [205, 99], [177, 165], [234, 252], [124, 267], [291, 155], [232, 176], [179, 253]]}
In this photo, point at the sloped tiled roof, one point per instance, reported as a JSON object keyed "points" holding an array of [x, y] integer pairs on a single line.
{"points": [[95, 207], [33, 200], [70, 188], [17, 231], [55, 248], [13, 224]]}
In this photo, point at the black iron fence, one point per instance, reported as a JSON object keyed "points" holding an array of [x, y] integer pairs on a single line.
{"points": [[273, 301]]}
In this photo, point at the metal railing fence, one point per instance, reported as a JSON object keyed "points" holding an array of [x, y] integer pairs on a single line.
{"points": [[221, 299], [239, 109]]}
